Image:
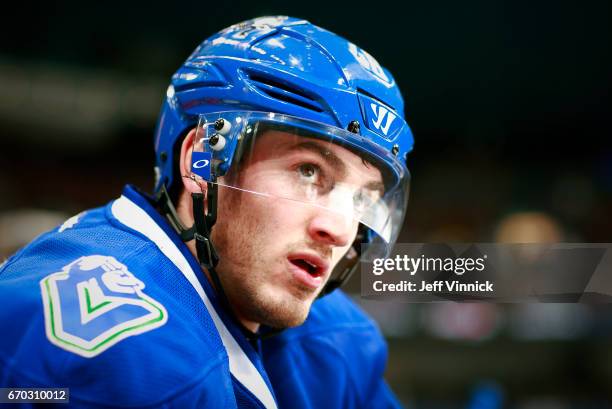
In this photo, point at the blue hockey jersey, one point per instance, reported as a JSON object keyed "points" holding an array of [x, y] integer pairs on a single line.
{"points": [[112, 305], [336, 359]]}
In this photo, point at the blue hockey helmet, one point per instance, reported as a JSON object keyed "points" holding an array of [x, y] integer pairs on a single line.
{"points": [[287, 73], [284, 65]]}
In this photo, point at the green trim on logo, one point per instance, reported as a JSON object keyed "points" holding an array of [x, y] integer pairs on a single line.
{"points": [[90, 308]]}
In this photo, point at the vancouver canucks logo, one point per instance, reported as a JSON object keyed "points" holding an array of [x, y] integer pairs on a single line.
{"points": [[94, 303]]}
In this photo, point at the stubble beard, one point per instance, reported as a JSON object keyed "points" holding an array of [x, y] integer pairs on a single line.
{"points": [[246, 274]]}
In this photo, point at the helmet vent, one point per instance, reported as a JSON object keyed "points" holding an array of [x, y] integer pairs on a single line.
{"points": [[284, 92]]}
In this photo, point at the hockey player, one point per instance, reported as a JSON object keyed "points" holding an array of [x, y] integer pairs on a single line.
{"points": [[281, 162]]}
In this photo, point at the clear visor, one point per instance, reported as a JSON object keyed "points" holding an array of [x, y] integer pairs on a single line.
{"points": [[304, 163]]}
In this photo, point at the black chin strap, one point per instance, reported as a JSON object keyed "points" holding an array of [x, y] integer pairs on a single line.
{"points": [[203, 223], [206, 253]]}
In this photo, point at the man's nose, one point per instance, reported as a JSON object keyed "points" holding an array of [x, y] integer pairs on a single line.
{"points": [[332, 228]]}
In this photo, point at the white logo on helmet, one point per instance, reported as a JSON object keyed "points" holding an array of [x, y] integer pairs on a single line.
{"points": [[368, 62], [261, 24], [380, 113]]}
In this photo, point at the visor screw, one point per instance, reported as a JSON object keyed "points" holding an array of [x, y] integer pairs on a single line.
{"points": [[213, 140], [395, 150], [222, 126], [219, 124], [163, 156], [353, 127], [217, 142]]}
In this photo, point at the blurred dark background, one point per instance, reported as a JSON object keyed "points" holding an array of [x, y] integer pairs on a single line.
{"points": [[510, 105]]}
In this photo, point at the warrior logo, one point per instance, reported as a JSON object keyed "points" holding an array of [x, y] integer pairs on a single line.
{"points": [[94, 303], [380, 112]]}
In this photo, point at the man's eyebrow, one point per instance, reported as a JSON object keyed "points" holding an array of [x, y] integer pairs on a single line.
{"points": [[327, 155], [376, 185], [335, 162]]}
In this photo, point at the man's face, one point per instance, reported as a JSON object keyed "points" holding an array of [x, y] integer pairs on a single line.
{"points": [[277, 249]]}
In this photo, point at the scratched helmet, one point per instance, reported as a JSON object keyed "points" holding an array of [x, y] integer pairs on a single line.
{"points": [[286, 82]]}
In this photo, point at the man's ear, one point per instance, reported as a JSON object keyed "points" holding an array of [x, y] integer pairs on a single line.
{"points": [[189, 183]]}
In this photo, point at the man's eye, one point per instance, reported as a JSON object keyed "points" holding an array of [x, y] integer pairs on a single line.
{"points": [[363, 199], [359, 200], [309, 171]]}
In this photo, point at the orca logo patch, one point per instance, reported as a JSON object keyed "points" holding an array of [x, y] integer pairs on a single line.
{"points": [[94, 303]]}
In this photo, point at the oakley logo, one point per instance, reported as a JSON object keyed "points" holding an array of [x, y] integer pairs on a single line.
{"points": [[380, 113], [202, 163]]}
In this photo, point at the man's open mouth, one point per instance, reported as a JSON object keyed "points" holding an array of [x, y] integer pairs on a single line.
{"points": [[305, 265], [312, 264]]}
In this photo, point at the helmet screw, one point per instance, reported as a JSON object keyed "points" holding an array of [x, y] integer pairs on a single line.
{"points": [[353, 127], [163, 156], [395, 149]]}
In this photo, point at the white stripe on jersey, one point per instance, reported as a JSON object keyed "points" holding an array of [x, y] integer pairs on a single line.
{"points": [[131, 215]]}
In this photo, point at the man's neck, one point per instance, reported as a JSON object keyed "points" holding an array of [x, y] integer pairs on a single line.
{"points": [[184, 211]]}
